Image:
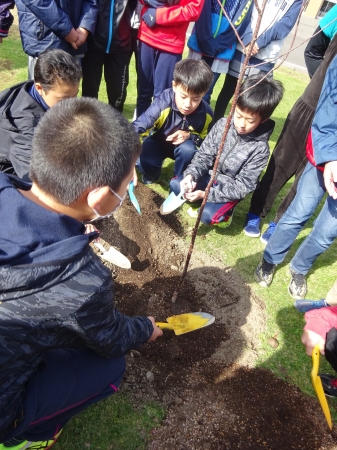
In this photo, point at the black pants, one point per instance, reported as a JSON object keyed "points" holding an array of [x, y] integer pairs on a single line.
{"points": [[225, 96], [116, 75], [315, 51], [331, 348]]}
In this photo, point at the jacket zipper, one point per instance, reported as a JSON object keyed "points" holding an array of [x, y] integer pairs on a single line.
{"points": [[112, 5]]}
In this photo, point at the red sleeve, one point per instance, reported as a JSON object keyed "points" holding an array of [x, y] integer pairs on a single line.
{"points": [[321, 320], [188, 11]]}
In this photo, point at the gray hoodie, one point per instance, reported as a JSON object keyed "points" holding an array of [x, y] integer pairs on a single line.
{"points": [[243, 158]]}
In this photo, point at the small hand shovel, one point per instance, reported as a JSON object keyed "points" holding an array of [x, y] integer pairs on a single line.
{"points": [[184, 323], [113, 256], [132, 196], [317, 383], [172, 202]]}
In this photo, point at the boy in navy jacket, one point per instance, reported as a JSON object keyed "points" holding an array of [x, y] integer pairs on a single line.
{"points": [[177, 122]]}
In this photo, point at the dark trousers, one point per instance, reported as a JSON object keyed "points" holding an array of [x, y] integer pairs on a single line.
{"points": [[315, 51], [155, 151], [331, 348], [225, 96], [116, 75], [155, 74], [213, 213], [70, 382]]}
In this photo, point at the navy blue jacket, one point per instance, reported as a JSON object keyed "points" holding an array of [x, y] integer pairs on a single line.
{"points": [[163, 118], [54, 293], [45, 23]]}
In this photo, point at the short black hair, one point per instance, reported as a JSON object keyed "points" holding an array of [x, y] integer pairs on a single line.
{"points": [[55, 67], [260, 96], [194, 75], [82, 143]]}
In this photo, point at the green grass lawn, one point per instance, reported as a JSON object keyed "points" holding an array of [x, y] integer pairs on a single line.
{"points": [[118, 422]]}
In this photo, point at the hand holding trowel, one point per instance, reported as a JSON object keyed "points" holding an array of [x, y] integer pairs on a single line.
{"points": [[173, 201], [184, 323]]}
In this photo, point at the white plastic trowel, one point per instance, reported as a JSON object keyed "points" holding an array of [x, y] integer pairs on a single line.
{"points": [[172, 202], [113, 256]]}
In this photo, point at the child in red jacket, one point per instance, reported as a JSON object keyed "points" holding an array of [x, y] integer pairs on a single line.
{"points": [[162, 35]]}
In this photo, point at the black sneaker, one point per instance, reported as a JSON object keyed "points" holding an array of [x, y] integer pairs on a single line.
{"points": [[298, 285], [264, 273], [329, 383]]}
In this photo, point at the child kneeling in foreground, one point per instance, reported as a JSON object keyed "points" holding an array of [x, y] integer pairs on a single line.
{"points": [[244, 155], [62, 339]]}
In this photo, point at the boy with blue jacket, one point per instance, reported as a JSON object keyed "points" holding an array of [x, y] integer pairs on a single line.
{"points": [[62, 340], [177, 122]]}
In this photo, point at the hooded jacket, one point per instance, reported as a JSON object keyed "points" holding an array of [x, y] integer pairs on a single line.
{"points": [[54, 293], [243, 158], [45, 23], [213, 35], [19, 116], [113, 28]]}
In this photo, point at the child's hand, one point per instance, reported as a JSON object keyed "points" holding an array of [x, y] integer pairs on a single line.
{"points": [[194, 196], [82, 36], [178, 137], [187, 184], [135, 177], [156, 331], [72, 37], [310, 339], [255, 49], [89, 228]]}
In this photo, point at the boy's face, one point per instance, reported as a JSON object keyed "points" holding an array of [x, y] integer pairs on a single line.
{"points": [[186, 102], [245, 122], [57, 93]]}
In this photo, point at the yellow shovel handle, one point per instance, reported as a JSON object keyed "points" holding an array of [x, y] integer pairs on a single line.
{"points": [[165, 325]]}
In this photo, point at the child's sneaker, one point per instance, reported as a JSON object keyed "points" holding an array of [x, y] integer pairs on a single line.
{"points": [[193, 211], [298, 285], [304, 306], [264, 273], [15, 444], [252, 227], [268, 233]]}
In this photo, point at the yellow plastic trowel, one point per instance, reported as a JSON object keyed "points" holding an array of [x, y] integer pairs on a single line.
{"points": [[184, 323], [317, 383]]}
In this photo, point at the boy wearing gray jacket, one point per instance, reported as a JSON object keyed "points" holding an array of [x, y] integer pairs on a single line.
{"points": [[244, 155]]}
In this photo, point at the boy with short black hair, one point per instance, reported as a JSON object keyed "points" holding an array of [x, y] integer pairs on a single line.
{"points": [[57, 76], [62, 339], [177, 122], [244, 156]]}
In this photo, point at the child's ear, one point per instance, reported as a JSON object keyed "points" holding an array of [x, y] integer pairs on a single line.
{"points": [[39, 89], [173, 86]]}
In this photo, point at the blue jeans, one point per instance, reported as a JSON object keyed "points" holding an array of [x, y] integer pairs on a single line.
{"points": [[155, 151], [310, 192]]}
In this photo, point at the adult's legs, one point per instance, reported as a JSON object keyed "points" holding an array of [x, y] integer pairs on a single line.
{"points": [[183, 155], [225, 96], [321, 237], [309, 193], [285, 160], [92, 67], [70, 382], [116, 74]]}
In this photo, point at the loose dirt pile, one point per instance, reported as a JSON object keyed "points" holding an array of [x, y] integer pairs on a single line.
{"points": [[206, 380]]}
